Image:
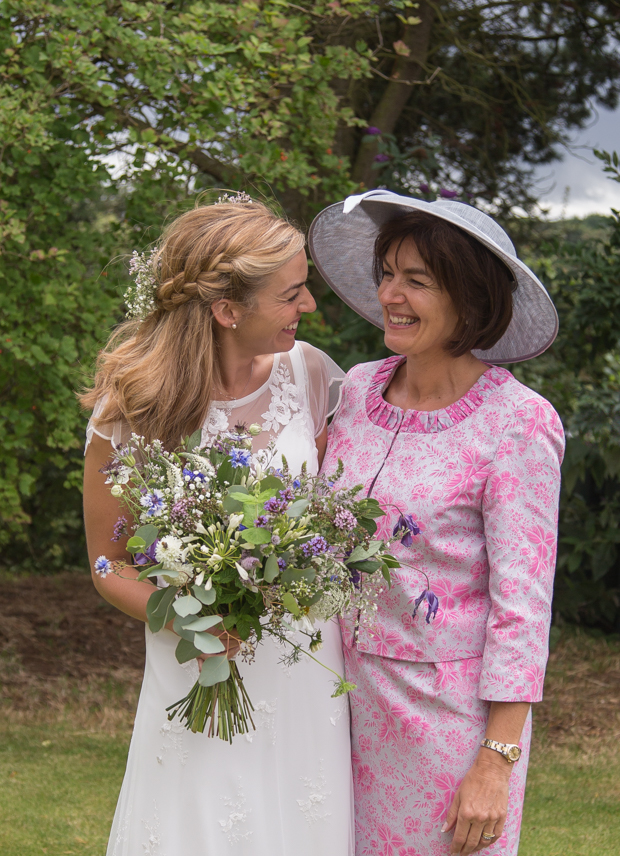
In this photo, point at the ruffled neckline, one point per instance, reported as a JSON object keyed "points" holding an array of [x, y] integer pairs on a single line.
{"points": [[390, 417]]}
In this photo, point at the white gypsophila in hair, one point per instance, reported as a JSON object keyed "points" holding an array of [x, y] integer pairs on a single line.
{"points": [[140, 295], [227, 198]]}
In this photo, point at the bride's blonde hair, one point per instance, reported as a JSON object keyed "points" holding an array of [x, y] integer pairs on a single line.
{"points": [[157, 374]]}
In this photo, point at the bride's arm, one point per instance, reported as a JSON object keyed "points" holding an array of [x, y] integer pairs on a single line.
{"points": [[321, 444], [101, 511]]}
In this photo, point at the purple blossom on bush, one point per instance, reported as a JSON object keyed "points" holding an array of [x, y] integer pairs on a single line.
{"points": [[148, 555], [103, 567], [344, 519], [180, 512], [281, 564], [120, 529], [240, 458], [315, 546], [276, 506], [424, 187], [381, 158], [407, 525], [433, 604], [153, 502], [261, 520], [372, 131], [448, 194], [287, 494]]}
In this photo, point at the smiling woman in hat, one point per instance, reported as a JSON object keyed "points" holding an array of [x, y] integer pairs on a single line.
{"points": [[465, 461]]}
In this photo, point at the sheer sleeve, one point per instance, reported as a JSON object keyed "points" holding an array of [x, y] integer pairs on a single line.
{"points": [[116, 432], [324, 383]]}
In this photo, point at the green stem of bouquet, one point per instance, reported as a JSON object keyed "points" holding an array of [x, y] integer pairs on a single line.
{"points": [[225, 707]]}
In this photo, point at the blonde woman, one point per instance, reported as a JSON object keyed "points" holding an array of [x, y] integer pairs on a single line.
{"points": [[217, 347]]}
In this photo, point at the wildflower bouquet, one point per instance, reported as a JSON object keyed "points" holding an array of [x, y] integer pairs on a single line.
{"points": [[242, 549]]}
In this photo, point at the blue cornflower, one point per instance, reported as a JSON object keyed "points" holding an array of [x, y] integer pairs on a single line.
{"points": [[315, 546], [193, 475], [261, 520], [103, 567], [433, 604], [240, 458], [153, 502], [408, 526]]}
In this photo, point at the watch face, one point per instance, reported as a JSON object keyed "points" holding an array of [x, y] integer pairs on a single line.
{"points": [[514, 753]]}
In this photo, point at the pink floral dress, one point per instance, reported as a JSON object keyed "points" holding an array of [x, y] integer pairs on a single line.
{"points": [[481, 479]]}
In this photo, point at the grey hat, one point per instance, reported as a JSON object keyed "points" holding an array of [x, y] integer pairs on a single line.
{"points": [[342, 240]]}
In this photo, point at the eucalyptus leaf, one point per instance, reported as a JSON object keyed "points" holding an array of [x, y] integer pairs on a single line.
{"points": [[204, 622], [159, 608], [272, 569], [146, 572], [148, 534], [214, 671], [187, 605], [136, 544], [204, 596], [298, 507], [289, 602], [179, 628], [186, 651], [194, 440], [257, 536], [208, 643]]}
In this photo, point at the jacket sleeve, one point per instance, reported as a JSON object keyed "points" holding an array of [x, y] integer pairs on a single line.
{"points": [[520, 513]]}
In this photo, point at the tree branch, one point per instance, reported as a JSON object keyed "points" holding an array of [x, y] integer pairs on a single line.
{"points": [[407, 69]]}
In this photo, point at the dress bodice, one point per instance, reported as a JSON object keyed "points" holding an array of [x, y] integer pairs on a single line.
{"points": [[291, 407]]}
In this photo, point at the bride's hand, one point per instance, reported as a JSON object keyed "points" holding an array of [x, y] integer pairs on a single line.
{"points": [[231, 641]]}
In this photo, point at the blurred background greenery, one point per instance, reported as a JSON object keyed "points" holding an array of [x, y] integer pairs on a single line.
{"points": [[115, 115]]}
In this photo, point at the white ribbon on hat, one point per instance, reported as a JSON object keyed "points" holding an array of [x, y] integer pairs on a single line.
{"points": [[352, 202]]}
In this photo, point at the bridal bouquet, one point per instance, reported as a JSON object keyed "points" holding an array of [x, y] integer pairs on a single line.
{"points": [[241, 548]]}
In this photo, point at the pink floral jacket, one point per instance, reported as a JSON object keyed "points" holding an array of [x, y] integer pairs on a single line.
{"points": [[481, 479]]}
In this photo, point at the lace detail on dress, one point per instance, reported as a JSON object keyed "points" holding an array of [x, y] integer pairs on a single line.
{"points": [[285, 401], [234, 826], [173, 733], [264, 717], [150, 847], [122, 831], [314, 806]]}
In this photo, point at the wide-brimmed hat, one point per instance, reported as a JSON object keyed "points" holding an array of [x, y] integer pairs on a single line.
{"points": [[342, 240]]}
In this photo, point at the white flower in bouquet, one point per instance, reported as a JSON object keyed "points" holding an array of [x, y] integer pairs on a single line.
{"points": [[174, 477], [200, 464], [169, 551]]}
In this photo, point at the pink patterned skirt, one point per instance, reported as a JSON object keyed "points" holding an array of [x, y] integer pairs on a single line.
{"points": [[416, 729]]}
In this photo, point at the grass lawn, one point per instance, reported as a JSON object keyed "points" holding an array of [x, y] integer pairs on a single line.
{"points": [[64, 740]]}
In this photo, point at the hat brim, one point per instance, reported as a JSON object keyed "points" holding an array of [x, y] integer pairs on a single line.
{"points": [[342, 248]]}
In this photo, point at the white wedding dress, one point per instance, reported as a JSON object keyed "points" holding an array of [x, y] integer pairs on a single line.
{"points": [[284, 789]]}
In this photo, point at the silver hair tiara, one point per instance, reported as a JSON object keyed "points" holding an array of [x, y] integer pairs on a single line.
{"points": [[239, 197]]}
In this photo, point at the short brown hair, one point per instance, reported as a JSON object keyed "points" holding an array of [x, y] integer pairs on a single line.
{"points": [[479, 284]]}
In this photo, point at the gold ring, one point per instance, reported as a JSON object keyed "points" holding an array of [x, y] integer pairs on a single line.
{"points": [[488, 837]]}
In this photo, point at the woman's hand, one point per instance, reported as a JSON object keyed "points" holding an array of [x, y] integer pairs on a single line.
{"points": [[231, 641], [480, 805]]}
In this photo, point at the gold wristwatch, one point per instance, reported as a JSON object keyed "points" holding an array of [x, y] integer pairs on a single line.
{"points": [[510, 751]]}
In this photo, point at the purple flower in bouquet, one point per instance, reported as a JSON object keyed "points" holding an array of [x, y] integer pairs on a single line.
{"points": [[120, 529], [343, 519], [276, 506], [281, 564], [287, 494], [315, 546], [248, 562], [409, 527], [356, 578], [148, 555], [373, 131], [296, 484], [240, 458], [103, 567], [261, 521], [433, 604], [180, 512], [153, 502]]}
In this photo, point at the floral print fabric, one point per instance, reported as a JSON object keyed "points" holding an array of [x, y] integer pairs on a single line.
{"points": [[481, 479]]}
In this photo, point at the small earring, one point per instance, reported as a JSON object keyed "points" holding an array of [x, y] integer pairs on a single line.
{"points": [[234, 326]]}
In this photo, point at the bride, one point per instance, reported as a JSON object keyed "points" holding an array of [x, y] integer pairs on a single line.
{"points": [[215, 347]]}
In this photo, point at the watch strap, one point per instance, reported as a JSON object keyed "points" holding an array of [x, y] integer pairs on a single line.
{"points": [[510, 751]]}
